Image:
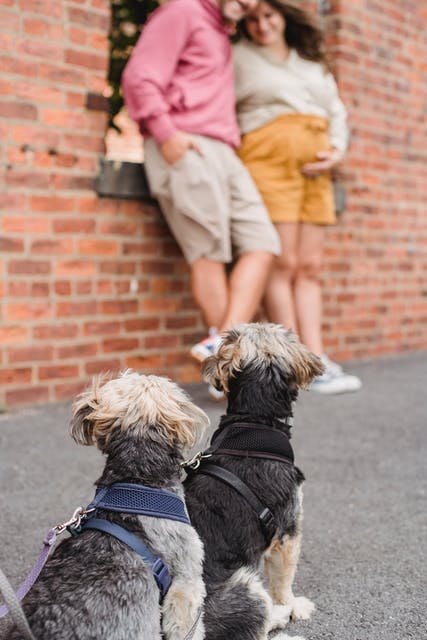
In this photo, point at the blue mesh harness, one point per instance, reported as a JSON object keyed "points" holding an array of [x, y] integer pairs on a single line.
{"points": [[123, 497]]}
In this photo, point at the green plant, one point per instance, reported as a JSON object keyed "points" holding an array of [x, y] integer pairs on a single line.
{"points": [[127, 20]]}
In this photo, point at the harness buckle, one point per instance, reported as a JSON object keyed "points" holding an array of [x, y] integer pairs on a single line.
{"points": [[267, 519], [161, 576]]}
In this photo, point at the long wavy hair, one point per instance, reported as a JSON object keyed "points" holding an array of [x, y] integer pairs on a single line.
{"points": [[302, 31]]}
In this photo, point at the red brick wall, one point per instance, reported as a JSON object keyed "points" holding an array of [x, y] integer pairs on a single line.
{"points": [[89, 284], [376, 282]]}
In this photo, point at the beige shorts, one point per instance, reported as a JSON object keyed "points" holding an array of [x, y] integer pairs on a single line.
{"points": [[210, 202]]}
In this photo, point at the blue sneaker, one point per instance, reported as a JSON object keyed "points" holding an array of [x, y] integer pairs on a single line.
{"points": [[207, 347]]}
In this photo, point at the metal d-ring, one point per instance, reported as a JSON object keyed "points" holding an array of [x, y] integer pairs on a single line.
{"points": [[195, 461]]}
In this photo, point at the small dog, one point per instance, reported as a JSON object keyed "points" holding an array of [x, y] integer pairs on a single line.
{"points": [[93, 586], [260, 368]]}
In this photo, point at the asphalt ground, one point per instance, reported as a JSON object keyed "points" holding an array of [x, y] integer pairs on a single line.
{"points": [[363, 559]]}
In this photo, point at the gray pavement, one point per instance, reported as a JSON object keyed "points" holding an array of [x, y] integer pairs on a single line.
{"points": [[364, 551]]}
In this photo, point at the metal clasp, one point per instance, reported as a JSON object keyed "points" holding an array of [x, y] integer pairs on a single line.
{"points": [[195, 461], [74, 521]]}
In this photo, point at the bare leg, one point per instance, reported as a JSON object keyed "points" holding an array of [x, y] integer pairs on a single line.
{"points": [[307, 289], [246, 287], [210, 290], [279, 297]]}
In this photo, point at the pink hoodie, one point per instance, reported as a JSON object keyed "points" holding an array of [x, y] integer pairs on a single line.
{"points": [[180, 74]]}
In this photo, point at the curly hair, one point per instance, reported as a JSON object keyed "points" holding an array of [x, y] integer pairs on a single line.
{"points": [[302, 31]]}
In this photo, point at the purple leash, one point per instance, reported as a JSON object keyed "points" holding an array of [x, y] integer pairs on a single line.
{"points": [[48, 543]]}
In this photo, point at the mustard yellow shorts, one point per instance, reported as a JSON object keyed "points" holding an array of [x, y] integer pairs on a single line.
{"points": [[274, 155]]}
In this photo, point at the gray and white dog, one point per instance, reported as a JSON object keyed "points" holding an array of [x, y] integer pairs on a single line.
{"points": [[94, 587], [260, 367]]}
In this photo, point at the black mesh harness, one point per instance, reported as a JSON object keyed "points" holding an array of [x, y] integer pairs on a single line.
{"points": [[245, 440]]}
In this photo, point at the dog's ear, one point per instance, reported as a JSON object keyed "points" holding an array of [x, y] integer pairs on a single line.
{"points": [[304, 364], [82, 424], [225, 364]]}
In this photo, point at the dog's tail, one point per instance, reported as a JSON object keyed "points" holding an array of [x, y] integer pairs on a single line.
{"points": [[237, 608]]}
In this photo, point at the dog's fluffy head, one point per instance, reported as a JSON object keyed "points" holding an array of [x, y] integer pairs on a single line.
{"points": [[140, 404], [265, 359]]}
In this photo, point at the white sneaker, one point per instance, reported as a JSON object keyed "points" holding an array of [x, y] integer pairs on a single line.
{"points": [[334, 380], [207, 347], [215, 394]]}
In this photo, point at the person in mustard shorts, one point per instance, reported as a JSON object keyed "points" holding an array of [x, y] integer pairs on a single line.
{"points": [[294, 131]]}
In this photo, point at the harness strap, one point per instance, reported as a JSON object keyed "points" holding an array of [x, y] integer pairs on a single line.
{"points": [[264, 514], [159, 569], [124, 497]]}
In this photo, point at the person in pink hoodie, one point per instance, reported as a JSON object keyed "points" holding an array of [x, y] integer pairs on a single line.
{"points": [[178, 87]]}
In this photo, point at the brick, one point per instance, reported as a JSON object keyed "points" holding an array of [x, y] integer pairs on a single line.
{"points": [[118, 307], [119, 344], [26, 224], [18, 110], [88, 60], [52, 372], [145, 364], [27, 395], [27, 179], [98, 247], [89, 18], [101, 366], [11, 245], [13, 334], [68, 390], [47, 8], [75, 267], [55, 332], [15, 376], [83, 288], [162, 342], [28, 311], [62, 287], [54, 204], [74, 226], [101, 328], [87, 308], [30, 354], [52, 247], [77, 351], [30, 267]]}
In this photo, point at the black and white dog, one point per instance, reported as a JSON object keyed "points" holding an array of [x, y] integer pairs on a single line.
{"points": [[249, 569], [94, 586]]}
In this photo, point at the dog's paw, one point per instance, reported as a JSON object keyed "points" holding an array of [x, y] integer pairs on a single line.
{"points": [[301, 608], [280, 615]]}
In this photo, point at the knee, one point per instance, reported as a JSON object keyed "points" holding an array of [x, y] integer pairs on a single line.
{"points": [[286, 266], [309, 269]]}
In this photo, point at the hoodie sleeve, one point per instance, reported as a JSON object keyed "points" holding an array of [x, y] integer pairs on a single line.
{"points": [[151, 67]]}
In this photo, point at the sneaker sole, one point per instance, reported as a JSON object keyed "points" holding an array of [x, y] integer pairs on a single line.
{"points": [[334, 392], [198, 355]]}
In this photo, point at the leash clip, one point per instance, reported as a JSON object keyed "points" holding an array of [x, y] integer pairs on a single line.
{"points": [[194, 463], [74, 521]]}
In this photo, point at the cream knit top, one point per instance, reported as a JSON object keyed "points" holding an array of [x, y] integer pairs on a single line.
{"points": [[267, 87]]}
